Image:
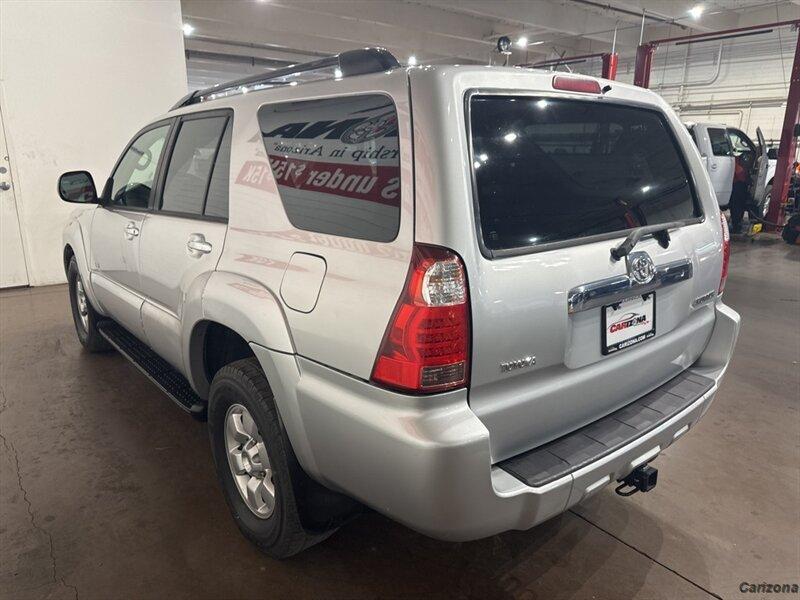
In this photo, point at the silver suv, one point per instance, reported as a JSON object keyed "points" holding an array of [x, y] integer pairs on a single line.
{"points": [[466, 297]]}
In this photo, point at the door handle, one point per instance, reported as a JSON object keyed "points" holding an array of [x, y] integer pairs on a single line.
{"points": [[197, 245], [131, 230]]}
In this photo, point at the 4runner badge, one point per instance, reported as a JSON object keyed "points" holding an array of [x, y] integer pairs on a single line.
{"points": [[513, 365], [641, 269]]}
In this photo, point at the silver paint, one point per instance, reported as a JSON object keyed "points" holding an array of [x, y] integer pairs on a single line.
{"points": [[426, 461]]}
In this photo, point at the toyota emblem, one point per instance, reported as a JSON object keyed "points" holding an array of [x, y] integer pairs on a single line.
{"points": [[641, 268]]}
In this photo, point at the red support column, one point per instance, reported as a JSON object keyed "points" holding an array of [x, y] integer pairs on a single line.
{"points": [[644, 63], [610, 65], [783, 170]]}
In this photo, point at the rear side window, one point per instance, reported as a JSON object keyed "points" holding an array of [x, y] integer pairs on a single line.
{"points": [[337, 164], [217, 199], [720, 143], [191, 165], [549, 170]]}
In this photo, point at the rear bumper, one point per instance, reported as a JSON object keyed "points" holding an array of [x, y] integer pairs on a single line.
{"points": [[426, 462]]}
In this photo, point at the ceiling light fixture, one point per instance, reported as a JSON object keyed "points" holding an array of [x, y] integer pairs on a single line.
{"points": [[696, 11], [522, 41], [337, 73], [187, 29], [412, 60], [510, 137]]}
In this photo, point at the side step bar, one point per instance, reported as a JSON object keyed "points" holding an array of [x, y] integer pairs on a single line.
{"points": [[160, 372]]}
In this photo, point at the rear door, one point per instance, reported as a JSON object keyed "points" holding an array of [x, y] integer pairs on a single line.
{"points": [[182, 239], [563, 334]]}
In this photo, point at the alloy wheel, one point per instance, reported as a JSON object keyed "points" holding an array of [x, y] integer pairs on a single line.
{"points": [[249, 461]]}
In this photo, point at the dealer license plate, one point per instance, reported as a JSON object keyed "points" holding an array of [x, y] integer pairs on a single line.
{"points": [[628, 322]]}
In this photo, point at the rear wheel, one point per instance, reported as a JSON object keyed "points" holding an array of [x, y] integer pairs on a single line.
{"points": [[255, 462], [84, 316]]}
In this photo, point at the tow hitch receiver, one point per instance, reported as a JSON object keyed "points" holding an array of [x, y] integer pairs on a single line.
{"points": [[641, 479]]}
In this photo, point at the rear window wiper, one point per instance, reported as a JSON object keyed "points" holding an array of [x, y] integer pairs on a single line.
{"points": [[660, 232]]}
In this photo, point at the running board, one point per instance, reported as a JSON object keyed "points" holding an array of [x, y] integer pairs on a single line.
{"points": [[160, 372]]}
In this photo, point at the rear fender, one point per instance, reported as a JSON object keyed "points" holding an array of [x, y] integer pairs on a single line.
{"points": [[239, 303]]}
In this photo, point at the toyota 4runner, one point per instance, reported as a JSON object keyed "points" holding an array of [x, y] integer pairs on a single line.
{"points": [[467, 297]]}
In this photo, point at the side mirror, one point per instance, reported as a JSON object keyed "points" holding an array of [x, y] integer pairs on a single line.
{"points": [[78, 187]]}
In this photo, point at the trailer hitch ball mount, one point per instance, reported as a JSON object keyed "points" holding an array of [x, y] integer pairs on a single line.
{"points": [[641, 479]]}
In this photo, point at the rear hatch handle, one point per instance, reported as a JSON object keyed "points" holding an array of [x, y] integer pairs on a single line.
{"points": [[660, 232]]}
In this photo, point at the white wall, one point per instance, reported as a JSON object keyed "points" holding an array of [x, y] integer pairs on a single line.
{"points": [[77, 80]]}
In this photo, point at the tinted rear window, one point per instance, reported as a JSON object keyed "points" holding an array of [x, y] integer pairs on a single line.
{"points": [[191, 165], [549, 170]]}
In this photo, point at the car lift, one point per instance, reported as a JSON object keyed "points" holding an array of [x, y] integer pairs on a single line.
{"points": [[786, 151]]}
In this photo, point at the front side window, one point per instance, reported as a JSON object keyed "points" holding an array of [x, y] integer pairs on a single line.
{"points": [[548, 170], [337, 164], [720, 142], [191, 165], [133, 178], [739, 144]]}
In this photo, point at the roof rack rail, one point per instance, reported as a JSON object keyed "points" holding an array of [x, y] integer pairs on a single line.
{"points": [[349, 63]]}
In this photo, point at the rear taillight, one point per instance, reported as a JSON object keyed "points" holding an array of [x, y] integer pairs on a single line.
{"points": [[426, 344], [726, 252]]}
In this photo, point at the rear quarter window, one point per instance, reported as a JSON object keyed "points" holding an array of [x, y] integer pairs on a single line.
{"points": [[337, 164]]}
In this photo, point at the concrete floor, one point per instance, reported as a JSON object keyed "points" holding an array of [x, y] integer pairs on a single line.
{"points": [[107, 490]]}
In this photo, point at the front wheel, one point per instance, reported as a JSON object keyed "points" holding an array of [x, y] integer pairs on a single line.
{"points": [[255, 462], [84, 316], [763, 208]]}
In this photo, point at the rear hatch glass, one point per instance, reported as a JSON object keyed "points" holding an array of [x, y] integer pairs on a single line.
{"points": [[550, 170]]}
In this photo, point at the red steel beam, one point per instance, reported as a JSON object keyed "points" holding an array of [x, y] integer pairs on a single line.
{"points": [[644, 53], [700, 36], [610, 60], [644, 63], [786, 151]]}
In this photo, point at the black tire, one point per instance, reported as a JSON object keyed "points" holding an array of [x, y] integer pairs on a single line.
{"points": [[282, 533], [763, 207], [88, 334]]}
